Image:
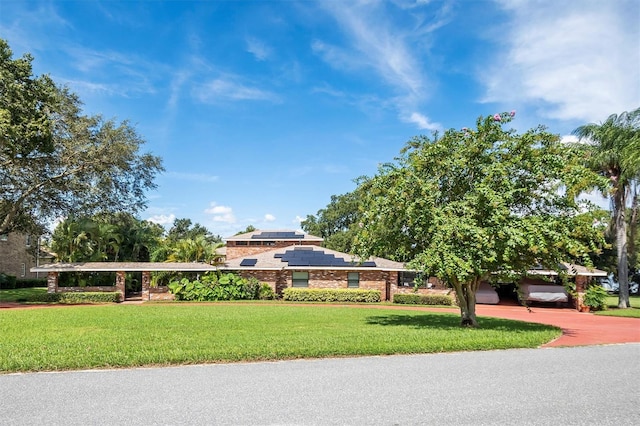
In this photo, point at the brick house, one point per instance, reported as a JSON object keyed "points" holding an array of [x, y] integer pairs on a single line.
{"points": [[18, 255], [285, 259]]}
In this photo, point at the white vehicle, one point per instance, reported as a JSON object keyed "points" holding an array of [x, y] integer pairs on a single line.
{"points": [[611, 285]]}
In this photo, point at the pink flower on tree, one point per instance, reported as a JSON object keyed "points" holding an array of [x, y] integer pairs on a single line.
{"points": [[496, 117], [512, 113]]}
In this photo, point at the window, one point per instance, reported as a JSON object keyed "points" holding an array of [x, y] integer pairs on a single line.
{"points": [[4, 237], [28, 240], [353, 280], [241, 243], [300, 279], [23, 270], [269, 243], [255, 243]]}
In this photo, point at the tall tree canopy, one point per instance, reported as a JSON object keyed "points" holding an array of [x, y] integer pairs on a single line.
{"points": [[54, 161], [185, 229], [106, 237], [613, 149], [479, 202], [334, 223]]}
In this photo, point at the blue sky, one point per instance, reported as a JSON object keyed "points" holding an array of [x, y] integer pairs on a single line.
{"points": [[261, 110]]}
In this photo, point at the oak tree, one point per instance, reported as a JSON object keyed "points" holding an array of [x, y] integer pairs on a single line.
{"points": [[478, 204], [55, 161]]}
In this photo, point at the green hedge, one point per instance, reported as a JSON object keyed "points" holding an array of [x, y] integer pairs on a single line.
{"points": [[423, 299], [330, 295], [7, 281], [75, 298], [31, 283]]}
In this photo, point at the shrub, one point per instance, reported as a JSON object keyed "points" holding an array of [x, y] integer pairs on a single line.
{"points": [[7, 281], [214, 287], [330, 295], [423, 299], [31, 283], [75, 298], [266, 292], [595, 297]]}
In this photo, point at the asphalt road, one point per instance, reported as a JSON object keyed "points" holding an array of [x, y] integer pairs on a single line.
{"points": [[554, 386]]}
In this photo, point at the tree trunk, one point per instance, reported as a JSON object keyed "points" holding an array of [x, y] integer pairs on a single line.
{"points": [[466, 293], [619, 206], [633, 228]]}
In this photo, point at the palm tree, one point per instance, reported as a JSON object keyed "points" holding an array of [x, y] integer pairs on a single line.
{"points": [[71, 240], [613, 149]]}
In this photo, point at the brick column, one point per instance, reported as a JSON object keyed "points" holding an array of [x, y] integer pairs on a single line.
{"points": [[52, 282], [146, 283], [120, 284], [581, 287]]}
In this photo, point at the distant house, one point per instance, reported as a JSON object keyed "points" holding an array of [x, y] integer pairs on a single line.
{"points": [[19, 253], [286, 259]]}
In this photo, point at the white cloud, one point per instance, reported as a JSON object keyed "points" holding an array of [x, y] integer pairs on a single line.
{"points": [[298, 219], [258, 49], [162, 219], [228, 89], [269, 217], [568, 139], [221, 213], [572, 60], [423, 122]]}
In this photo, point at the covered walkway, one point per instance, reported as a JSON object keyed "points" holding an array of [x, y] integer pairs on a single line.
{"points": [[120, 268]]}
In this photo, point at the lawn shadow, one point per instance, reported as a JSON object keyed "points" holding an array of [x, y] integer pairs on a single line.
{"points": [[444, 322]]}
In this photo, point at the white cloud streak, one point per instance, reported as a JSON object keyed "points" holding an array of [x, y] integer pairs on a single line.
{"points": [[573, 60], [423, 122], [224, 88], [258, 49], [388, 48]]}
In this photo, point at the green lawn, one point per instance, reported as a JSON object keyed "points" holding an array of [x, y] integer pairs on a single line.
{"points": [[20, 294], [612, 303], [162, 334]]}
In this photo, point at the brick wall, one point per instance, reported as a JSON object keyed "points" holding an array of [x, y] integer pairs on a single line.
{"points": [[370, 280], [235, 251], [14, 254], [160, 293], [87, 289], [273, 278]]}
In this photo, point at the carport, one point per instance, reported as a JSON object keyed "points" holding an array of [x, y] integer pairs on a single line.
{"points": [[120, 268]]}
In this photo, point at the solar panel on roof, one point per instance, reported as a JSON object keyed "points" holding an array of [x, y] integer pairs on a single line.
{"points": [[308, 256], [283, 235], [248, 262]]}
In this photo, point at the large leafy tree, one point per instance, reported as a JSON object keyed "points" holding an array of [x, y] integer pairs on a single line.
{"points": [[477, 204], [613, 149], [334, 223], [55, 161]]}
